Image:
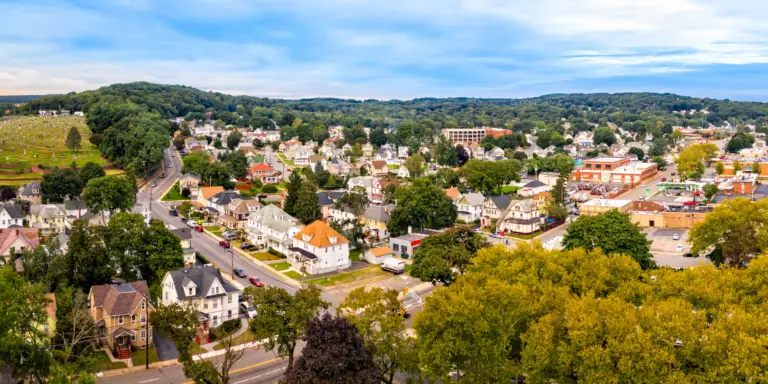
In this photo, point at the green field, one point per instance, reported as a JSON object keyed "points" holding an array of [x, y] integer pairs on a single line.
{"points": [[38, 142], [281, 266], [343, 278]]}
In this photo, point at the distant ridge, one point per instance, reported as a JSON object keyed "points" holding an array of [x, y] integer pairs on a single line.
{"points": [[15, 99]]}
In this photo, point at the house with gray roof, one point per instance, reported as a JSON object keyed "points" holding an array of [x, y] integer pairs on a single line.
{"points": [[521, 216], [493, 208], [375, 219], [31, 192], [205, 290], [326, 201], [470, 206], [271, 227], [11, 216], [47, 218]]}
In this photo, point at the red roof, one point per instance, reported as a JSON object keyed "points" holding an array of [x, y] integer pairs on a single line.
{"points": [[262, 167]]}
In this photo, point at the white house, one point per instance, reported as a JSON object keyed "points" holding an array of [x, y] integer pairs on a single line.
{"points": [[320, 249], [470, 207], [11, 216], [371, 185], [273, 228], [521, 216], [205, 290], [533, 188]]}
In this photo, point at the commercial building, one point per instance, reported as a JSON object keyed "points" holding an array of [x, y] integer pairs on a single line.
{"points": [[599, 169], [598, 206], [634, 173], [473, 135]]}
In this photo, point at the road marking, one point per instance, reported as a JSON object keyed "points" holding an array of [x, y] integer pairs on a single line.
{"points": [[247, 368], [258, 376], [151, 380]]}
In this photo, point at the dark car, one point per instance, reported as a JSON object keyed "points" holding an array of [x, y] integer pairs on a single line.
{"points": [[239, 272], [173, 212], [663, 179], [224, 244], [198, 228], [247, 246], [255, 281]]}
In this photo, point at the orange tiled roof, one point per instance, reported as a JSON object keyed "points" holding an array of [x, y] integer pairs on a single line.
{"points": [[453, 193], [381, 251], [320, 234], [208, 192]]}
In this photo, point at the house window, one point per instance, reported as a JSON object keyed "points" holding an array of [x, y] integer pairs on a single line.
{"points": [[215, 304], [215, 320], [395, 247], [133, 318], [119, 319], [229, 299], [229, 314], [143, 305], [166, 295], [143, 335], [205, 304], [133, 336], [190, 292], [143, 319]]}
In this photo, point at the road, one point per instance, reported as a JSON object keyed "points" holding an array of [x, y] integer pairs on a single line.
{"points": [[256, 366], [650, 184]]}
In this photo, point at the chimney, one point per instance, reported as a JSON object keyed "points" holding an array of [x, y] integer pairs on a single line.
{"points": [[410, 229]]}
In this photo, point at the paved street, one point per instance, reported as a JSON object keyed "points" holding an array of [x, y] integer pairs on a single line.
{"points": [[650, 184]]}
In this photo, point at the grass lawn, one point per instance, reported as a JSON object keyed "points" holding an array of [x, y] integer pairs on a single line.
{"points": [[264, 256], [285, 160], [526, 236], [196, 349], [355, 255], [407, 269], [139, 356], [242, 338], [393, 166], [105, 364], [343, 278], [281, 266], [293, 275], [509, 189], [27, 142], [215, 230], [174, 194]]}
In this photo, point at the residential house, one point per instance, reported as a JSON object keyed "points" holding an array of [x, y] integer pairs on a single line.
{"points": [[584, 140], [533, 188], [521, 216], [11, 216], [542, 199], [326, 149], [271, 227], [49, 219], [301, 157], [185, 239], [74, 209], [319, 249], [195, 145], [370, 184], [495, 154], [378, 168], [403, 173], [31, 192], [405, 245], [264, 173], [14, 241], [341, 214], [220, 200], [206, 193], [375, 219], [205, 290], [190, 182], [453, 193], [402, 152], [378, 255], [493, 208], [367, 150], [121, 313], [386, 154], [318, 159], [470, 207], [236, 213], [327, 200], [339, 167]]}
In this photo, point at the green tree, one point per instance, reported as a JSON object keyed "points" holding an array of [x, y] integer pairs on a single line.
{"points": [[447, 178], [756, 167], [233, 140], [108, 194], [691, 161], [736, 228], [334, 353], [237, 162], [415, 165], [445, 153], [60, 185], [321, 174], [421, 205], [74, 140], [46, 265], [282, 318], [719, 168], [87, 256], [614, 233], [178, 142], [604, 135], [90, 171], [376, 315], [196, 162], [637, 152], [307, 208], [441, 258], [292, 193], [488, 176], [710, 190], [356, 200], [557, 211], [218, 173], [378, 137]]}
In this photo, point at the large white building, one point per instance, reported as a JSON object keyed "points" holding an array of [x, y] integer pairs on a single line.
{"points": [[11, 216], [320, 249], [205, 290], [521, 216]]}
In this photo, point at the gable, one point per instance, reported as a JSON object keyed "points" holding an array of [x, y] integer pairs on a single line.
{"points": [[215, 289]]}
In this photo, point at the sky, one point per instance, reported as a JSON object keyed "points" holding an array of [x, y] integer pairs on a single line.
{"points": [[389, 49]]}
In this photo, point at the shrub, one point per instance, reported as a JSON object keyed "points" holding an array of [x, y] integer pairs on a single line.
{"points": [[460, 221], [269, 189], [185, 192], [276, 253]]}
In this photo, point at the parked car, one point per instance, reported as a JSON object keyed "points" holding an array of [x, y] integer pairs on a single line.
{"points": [[663, 179], [224, 244], [255, 281], [247, 246], [239, 272], [169, 165], [191, 223], [248, 310], [676, 236], [198, 228], [690, 203], [229, 235], [153, 184], [173, 212], [673, 174]]}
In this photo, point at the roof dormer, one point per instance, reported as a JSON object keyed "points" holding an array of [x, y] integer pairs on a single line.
{"points": [[306, 238], [333, 239]]}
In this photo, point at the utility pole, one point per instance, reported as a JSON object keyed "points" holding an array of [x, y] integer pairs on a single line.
{"points": [[146, 330]]}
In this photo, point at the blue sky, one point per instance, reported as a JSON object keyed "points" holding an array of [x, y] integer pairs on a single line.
{"points": [[389, 49]]}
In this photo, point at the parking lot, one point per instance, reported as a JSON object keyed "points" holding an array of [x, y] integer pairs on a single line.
{"points": [[663, 240]]}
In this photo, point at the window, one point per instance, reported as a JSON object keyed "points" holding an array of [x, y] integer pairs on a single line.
{"points": [[150, 333], [119, 319], [190, 292], [215, 320], [396, 247], [143, 335], [143, 319], [143, 305], [598, 166], [205, 304], [215, 304], [133, 318], [607, 166], [229, 314], [166, 295], [229, 299]]}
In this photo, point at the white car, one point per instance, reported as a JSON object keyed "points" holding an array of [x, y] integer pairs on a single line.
{"points": [[192, 223], [248, 310], [676, 236]]}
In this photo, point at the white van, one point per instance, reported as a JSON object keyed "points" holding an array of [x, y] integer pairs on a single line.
{"points": [[248, 310], [393, 265]]}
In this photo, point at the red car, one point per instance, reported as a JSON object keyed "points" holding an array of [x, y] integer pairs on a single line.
{"points": [[663, 179], [255, 281], [224, 244], [198, 228], [690, 203]]}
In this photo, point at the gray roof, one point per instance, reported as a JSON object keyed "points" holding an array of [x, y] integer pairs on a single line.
{"points": [[501, 202], [183, 233], [71, 205], [203, 278], [188, 176], [534, 184], [32, 185], [379, 212], [14, 211], [224, 198], [474, 198], [45, 211], [274, 218], [328, 197]]}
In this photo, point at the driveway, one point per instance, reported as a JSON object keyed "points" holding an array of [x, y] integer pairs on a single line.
{"points": [[166, 349]]}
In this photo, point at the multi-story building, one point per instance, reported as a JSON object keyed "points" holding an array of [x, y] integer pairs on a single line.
{"points": [[11, 216], [319, 249], [634, 173], [473, 135], [599, 169], [31, 192], [375, 219], [271, 227], [49, 219], [521, 216], [121, 312], [595, 207], [470, 207], [370, 184], [205, 290], [493, 208]]}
